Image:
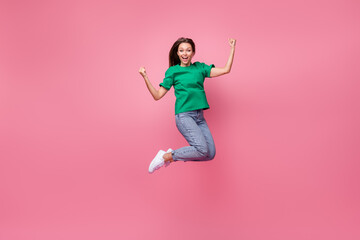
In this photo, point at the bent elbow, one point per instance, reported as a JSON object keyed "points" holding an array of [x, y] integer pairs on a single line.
{"points": [[157, 97], [224, 71]]}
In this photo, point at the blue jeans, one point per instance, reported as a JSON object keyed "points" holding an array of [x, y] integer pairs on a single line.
{"points": [[192, 125]]}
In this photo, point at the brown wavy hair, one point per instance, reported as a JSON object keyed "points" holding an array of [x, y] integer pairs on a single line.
{"points": [[173, 57]]}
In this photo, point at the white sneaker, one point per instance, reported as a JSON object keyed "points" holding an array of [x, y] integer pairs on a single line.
{"points": [[157, 162], [167, 163]]}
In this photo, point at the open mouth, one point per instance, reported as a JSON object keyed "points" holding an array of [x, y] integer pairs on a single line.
{"points": [[185, 58]]}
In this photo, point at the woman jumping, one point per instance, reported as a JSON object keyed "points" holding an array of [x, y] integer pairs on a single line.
{"points": [[188, 81]]}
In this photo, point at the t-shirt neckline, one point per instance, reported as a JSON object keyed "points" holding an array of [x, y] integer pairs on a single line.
{"points": [[186, 66]]}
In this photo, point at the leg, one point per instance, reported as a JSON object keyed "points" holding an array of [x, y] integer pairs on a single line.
{"points": [[208, 137], [192, 126]]}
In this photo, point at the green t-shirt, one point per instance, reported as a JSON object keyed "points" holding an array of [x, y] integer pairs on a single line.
{"points": [[188, 83]]}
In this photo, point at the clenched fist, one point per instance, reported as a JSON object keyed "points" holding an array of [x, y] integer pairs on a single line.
{"points": [[232, 42], [142, 71]]}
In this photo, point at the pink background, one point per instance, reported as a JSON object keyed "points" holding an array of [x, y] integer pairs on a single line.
{"points": [[78, 128]]}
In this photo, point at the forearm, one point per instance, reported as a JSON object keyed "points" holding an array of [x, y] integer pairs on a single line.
{"points": [[215, 72], [230, 60], [152, 90]]}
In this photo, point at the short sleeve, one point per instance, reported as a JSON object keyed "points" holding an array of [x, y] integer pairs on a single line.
{"points": [[168, 80], [207, 69]]}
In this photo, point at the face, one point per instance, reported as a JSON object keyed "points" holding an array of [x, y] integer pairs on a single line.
{"points": [[185, 53]]}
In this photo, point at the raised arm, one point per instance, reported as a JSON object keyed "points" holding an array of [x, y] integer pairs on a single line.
{"points": [[157, 94], [215, 72]]}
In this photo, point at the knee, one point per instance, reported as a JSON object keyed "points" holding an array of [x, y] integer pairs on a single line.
{"points": [[203, 150], [212, 152], [206, 152], [212, 155]]}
